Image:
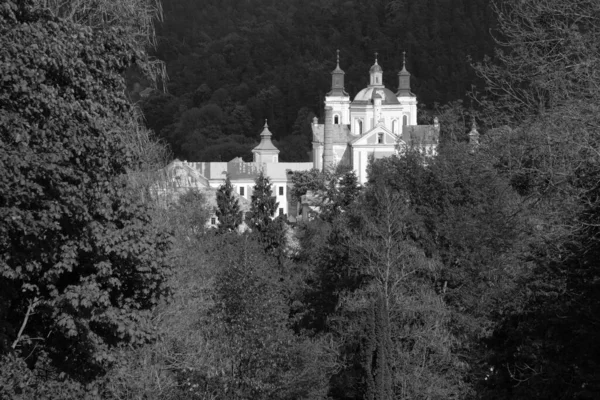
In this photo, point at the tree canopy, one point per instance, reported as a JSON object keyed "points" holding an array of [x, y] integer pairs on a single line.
{"points": [[81, 266]]}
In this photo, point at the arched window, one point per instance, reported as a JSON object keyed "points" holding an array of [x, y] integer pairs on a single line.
{"points": [[336, 119], [395, 126], [405, 120], [358, 127]]}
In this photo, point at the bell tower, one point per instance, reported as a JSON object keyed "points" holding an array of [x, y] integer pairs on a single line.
{"points": [[407, 99], [338, 99], [376, 74]]}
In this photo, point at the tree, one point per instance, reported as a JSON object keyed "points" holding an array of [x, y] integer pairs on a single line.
{"points": [[342, 190], [264, 204], [303, 181], [81, 265], [228, 208], [545, 84], [191, 212], [134, 18], [337, 190]]}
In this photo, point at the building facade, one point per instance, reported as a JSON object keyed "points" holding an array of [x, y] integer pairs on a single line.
{"points": [[376, 123], [180, 176]]}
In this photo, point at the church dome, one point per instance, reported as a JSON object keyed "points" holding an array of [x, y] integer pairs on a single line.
{"points": [[375, 68], [369, 93]]}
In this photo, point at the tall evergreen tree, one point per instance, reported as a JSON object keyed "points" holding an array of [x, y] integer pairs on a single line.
{"points": [[228, 208], [263, 205]]}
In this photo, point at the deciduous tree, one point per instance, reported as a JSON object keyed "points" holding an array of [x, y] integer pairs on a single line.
{"points": [[81, 265]]}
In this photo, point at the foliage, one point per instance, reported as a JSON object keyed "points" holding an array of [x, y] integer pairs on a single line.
{"points": [[333, 191], [191, 212], [258, 60], [81, 265], [228, 208], [380, 287], [342, 190], [264, 204], [17, 382], [545, 86], [134, 18], [547, 57], [267, 361], [304, 181]]}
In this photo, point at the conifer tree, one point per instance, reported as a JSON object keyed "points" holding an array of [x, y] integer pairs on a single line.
{"points": [[263, 205], [228, 208]]}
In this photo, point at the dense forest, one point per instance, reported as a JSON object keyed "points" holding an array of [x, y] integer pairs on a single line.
{"points": [[470, 275], [233, 64]]}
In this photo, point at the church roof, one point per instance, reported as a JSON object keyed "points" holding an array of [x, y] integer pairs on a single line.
{"points": [[341, 134], [265, 141], [420, 134], [368, 94], [375, 67]]}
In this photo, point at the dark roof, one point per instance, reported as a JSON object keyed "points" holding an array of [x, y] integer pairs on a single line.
{"points": [[376, 68], [420, 134], [341, 134], [367, 95]]}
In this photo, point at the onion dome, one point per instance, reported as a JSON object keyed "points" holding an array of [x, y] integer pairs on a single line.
{"points": [[337, 80], [265, 140], [376, 74], [368, 94], [375, 68], [404, 80]]}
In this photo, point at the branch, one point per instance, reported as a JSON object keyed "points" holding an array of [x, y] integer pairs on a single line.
{"points": [[32, 305]]}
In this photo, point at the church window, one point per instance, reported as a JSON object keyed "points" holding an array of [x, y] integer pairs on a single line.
{"points": [[359, 127], [241, 190], [336, 119], [376, 79], [281, 190], [395, 126], [380, 138], [405, 120]]}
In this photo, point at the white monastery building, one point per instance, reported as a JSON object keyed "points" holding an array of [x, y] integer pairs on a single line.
{"points": [[376, 123]]}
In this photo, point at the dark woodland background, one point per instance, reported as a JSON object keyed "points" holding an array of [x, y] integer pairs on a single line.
{"points": [[233, 64]]}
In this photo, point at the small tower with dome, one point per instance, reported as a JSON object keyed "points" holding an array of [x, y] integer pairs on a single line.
{"points": [[406, 98], [376, 74], [337, 98], [265, 152]]}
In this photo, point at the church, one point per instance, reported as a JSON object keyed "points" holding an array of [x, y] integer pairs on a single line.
{"points": [[376, 123]]}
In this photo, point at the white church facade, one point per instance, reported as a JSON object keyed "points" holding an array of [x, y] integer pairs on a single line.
{"points": [[376, 123]]}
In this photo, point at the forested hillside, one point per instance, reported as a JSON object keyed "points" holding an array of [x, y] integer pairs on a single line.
{"points": [[231, 64]]}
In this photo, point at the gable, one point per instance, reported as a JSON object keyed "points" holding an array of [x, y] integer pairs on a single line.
{"points": [[372, 138]]}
